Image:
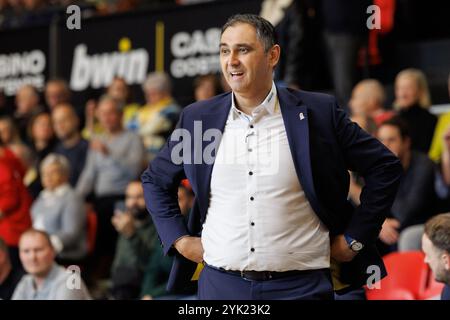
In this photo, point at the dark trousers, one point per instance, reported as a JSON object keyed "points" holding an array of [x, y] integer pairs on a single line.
{"points": [[309, 285]]}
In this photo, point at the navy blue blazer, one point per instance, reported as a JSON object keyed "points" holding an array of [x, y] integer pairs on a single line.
{"points": [[324, 144]]}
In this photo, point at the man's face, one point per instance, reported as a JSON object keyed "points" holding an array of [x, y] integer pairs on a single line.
{"points": [[65, 122], [118, 90], [362, 101], [134, 200], [245, 65], [55, 94], [109, 117], [437, 260], [391, 138], [36, 254]]}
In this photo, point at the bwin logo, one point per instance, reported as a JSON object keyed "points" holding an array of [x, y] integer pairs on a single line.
{"points": [[97, 71]]}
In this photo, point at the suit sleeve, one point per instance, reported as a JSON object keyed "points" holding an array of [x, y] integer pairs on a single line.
{"points": [[160, 182], [380, 169]]}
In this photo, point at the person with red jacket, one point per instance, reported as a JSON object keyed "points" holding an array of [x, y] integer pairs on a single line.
{"points": [[15, 202]]}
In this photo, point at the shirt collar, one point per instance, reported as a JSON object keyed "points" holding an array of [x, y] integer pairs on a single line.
{"points": [[57, 192], [269, 104]]}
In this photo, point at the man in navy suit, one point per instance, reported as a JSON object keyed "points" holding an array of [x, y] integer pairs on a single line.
{"points": [[269, 168]]}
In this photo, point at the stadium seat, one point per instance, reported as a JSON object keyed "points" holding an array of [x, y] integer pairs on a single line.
{"points": [[409, 278]]}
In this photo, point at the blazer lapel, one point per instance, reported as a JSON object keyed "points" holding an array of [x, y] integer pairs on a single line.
{"points": [[296, 122], [214, 119]]}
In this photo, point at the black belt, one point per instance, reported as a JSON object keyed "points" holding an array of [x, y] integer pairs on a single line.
{"points": [[263, 275]]}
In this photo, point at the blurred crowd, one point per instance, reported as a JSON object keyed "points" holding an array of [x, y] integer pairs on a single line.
{"points": [[69, 175]]}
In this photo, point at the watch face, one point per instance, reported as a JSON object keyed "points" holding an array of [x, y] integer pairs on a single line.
{"points": [[356, 246]]}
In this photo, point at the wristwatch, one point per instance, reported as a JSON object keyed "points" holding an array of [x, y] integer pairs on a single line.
{"points": [[353, 244]]}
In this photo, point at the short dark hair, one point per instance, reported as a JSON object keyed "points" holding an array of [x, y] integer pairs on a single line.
{"points": [[437, 230], [265, 31], [400, 124]]}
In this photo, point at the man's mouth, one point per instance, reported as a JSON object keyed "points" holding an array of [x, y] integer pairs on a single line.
{"points": [[236, 74]]}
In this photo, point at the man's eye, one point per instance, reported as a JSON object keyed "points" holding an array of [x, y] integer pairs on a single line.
{"points": [[243, 50], [224, 51]]}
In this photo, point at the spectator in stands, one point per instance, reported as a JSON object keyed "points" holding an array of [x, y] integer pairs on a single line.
{"points": [[137, 239], [8, 131], [159, 265], [42, 141], [442, 126], [118, 89], [9, 276], [414, 202], [412, 99], [15, 203], [46, 280], [56, 92], [114, 159], [60, 212], [436, 246], [158, 117], [71, 144], [368, 100], [27, 105], [206, 87]]}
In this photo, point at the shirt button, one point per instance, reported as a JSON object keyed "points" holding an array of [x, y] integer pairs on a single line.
{"points": [[251, 198], [250, 150], [251, 126], [252, 249], [252, 223], [250, 173]]}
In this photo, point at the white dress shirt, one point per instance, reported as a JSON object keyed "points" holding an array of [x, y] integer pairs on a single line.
{"points": [[259, 217]]}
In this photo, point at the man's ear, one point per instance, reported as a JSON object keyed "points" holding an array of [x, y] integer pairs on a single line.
{"points": [[274, 55], [446, 260]]}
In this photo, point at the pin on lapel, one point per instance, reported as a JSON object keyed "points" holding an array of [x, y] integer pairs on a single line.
{"points": [[301, 116]]}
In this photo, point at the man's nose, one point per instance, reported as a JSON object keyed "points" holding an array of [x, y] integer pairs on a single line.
{"points": [[233, 61]]}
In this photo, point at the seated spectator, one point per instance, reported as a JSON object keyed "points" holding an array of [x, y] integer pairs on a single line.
{"points": [[436, 246], [114, 159], [27, 105], [56, 92], [159, 265], [119, 90], [8, 131], [42, 141], [412, 99], [71, 144], [15, 203], [158, 117], [137, 239], [45, 280], [414, 202], [9, 276], [60, 212], [368, 100], [206, 87]]}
